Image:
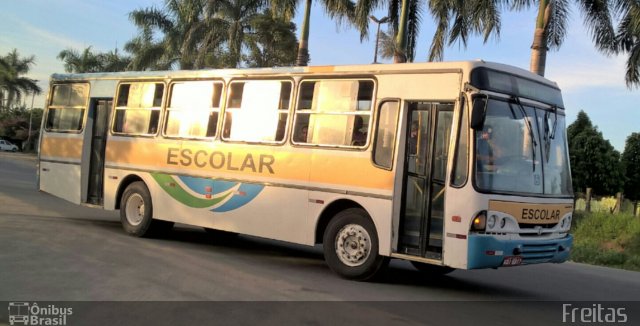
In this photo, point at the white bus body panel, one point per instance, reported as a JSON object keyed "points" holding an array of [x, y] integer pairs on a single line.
{"points": [[61, 175], [61, 180]]}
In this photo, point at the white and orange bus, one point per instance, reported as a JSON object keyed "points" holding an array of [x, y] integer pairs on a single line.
{"points": [[459, 165]]}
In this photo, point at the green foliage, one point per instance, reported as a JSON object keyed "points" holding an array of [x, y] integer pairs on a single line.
{"points": [[607, 239], [594, 161], [181, 34], [271, 41], [631, 165], [195, 34], [14, 125], [455, 22], [627, 40], [88, 61]]}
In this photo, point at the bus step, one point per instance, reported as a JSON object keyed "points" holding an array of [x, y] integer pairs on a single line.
{"points": [[435, 242], [435, 254]]}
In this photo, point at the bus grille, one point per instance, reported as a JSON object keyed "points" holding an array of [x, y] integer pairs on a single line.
{"points": [[538, 253]]}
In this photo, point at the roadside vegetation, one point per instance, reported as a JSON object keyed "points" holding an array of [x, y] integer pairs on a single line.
{"points": [[606, 239]]}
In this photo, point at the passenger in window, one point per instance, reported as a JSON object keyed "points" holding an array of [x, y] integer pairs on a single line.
{"points": [[413, 138], [226, 130], [487, 151], [301, 136], [359, 137]]}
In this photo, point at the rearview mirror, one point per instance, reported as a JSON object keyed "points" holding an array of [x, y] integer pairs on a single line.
{"points": [[479, 111]]}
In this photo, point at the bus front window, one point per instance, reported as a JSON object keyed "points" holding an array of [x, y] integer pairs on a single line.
{"points": [[557, 176], [515, 155]]}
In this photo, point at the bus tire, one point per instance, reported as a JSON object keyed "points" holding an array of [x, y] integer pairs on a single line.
{"points": [[351, 246], [136, 212], [431, 269]]}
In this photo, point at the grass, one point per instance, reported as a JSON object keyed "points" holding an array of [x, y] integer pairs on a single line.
{"points": [[606, 239]]}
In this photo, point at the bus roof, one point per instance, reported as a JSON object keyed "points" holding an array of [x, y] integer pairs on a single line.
{"points": [[465, 66]]}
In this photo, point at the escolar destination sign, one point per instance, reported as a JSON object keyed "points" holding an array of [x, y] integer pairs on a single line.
{"points": [[532, 213]]}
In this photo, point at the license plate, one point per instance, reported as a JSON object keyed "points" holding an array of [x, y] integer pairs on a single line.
{"points": [[512, 261]]}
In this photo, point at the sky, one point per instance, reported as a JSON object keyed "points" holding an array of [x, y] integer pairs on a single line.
{"points": [[590, 81]]}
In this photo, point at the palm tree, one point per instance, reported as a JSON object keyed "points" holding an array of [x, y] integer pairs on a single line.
{"points": [[235, 17], [87, 61], [192, 34], [12, 85], [340, 10], [112, 61], [628, 39], [387, 45], [551, 22], [183, 31], [455, 21], [272, 42]]}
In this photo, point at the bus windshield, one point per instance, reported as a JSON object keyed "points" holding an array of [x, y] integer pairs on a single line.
{"points": [[522, 149]]}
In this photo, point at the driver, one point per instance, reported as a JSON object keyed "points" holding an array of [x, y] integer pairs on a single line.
{"points": [[487, 151]]}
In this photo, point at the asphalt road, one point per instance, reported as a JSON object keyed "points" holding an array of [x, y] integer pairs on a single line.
{"points": [[51, 250]]}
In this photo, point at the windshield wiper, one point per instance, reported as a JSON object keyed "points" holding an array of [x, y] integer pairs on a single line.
{"points": [[549, 131], [531, 135], [555, 122]]}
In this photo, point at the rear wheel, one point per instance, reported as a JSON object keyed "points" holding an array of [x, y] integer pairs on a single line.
{"points": [[432, 269], [136, 212], [351, 246]]}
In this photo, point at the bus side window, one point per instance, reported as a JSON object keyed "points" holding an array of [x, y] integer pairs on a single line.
{"points": [[386, 134], [138, 108], [257, 111], [334, 112], [67, 108], [193, 109]]}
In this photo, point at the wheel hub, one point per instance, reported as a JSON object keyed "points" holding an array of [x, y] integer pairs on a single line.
{"points": [[353, 245], [135, 209]]}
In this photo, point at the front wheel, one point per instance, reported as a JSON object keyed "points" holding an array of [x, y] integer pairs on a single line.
{"points": [[136, 212], [351, 246]]}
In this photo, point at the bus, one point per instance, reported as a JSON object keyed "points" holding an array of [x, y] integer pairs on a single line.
{"points": [[449, 165]]}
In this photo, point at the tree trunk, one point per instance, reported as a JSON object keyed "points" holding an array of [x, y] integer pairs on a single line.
{"points": [[587, 201], [10, 98], [400, 55], [303, 47], [619, 200], [539, 47]]}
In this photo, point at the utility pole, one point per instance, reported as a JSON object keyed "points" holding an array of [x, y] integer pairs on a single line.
{"points": [[379, 22], [33, 96]]}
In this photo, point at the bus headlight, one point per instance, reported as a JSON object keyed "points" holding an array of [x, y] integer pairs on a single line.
{"points": [[479, 222], [491, 221]]}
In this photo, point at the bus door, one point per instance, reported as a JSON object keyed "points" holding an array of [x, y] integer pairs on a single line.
{"points": [[422, 215], [99, 113]]}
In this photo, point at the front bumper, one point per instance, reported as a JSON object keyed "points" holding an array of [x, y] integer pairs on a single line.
{"points": [[486, 251]]}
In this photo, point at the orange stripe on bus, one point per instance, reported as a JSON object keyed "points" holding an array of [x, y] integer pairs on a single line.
{"points": [[325, 167], [61, 147]]}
